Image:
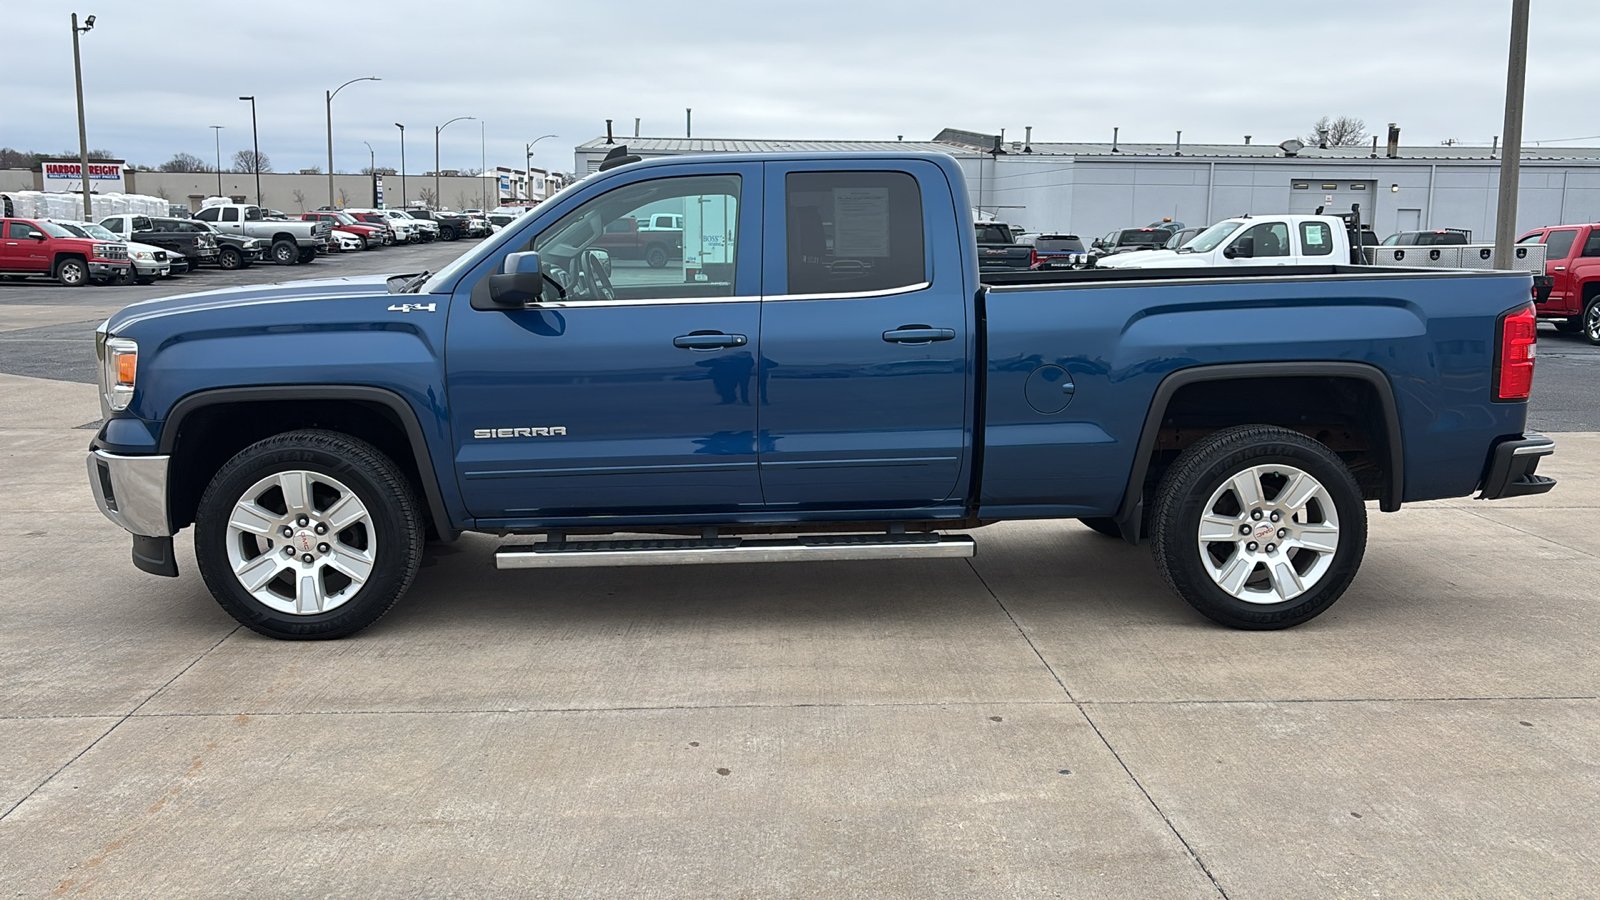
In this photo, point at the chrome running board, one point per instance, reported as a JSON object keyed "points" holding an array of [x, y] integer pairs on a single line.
{"points": [[692, 551]]}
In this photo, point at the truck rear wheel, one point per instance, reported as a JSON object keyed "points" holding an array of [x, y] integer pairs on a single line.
{"points": [[1258, 527], [308, 535], [446, 233], [284, 253], [72, 272]]}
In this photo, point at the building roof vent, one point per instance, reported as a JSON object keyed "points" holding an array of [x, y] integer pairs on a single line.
{"points": [[1292, 147]]}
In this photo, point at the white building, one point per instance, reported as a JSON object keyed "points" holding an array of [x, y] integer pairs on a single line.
{"points": [[1092, 188]]}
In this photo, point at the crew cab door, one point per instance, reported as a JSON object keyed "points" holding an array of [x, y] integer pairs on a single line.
{"points": [[21, 250], [628, 390], [865, 350], [1558, 243]]}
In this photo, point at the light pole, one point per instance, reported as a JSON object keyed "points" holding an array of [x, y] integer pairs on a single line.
{"points": [[83, 132], [372, 171], [217, 130], [483, 164], [436, 130], [255, 141], [331, 94], [528, 164], [1505, 223], [402, 164]]}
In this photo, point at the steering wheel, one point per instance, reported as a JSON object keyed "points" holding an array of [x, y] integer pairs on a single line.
{"points": [[592, 278]]}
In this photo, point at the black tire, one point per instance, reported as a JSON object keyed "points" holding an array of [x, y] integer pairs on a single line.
{"points": [[230, 259], [285, 253], [144, 279], [396, 516], [1591, 321], [72, 272], [446, 233], [1200, 472], [1103, 525], [655, 256], [307, 254]]}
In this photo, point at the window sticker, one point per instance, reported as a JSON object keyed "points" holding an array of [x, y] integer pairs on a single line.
{"points": [[860, 222], [1314, 237]]}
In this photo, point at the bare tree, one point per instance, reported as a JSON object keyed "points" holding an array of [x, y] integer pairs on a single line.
{"points": [[344, 198], [244, 162], [427, 197], [461, 200], [299, 198], [1345, 131], [185, 162]]}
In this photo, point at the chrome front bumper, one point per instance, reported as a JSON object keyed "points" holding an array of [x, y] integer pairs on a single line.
{"points": [[131, 491]]}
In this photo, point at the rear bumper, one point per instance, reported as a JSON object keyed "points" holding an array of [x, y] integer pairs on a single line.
{"points": [[1512, 465]]}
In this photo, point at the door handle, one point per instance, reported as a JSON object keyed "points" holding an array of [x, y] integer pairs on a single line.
{"points": [[709, 340], [1561, 268], [918, 334]]}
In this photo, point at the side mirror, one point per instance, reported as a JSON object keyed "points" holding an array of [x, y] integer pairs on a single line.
{"points": [[1243, 248], [520, 283], [1097, 243], [37, 235], [603, 258]]}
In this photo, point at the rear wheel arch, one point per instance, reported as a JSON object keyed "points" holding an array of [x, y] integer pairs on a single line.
{"points": [[1385, 436], [205, 429]]}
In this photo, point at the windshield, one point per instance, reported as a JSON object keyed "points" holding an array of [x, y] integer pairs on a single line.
{"points": [[345, 219], [94, 231], [1212, 237], [54, 230]]}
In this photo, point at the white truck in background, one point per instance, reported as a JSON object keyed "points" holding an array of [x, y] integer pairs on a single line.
{"points": [[288, 242]]}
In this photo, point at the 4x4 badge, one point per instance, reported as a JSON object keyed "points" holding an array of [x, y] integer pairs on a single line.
{"points": [[413, 307]]}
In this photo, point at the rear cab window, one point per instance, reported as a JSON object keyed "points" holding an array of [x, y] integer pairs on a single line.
{"points": [[1316, 239]]}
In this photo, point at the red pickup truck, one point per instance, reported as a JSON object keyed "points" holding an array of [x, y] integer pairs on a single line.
{"points": [[1572, 260], [371, 235], [37, 247]]}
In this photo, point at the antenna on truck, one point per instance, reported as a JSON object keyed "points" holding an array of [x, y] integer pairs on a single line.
{"points": [[619, 157]]}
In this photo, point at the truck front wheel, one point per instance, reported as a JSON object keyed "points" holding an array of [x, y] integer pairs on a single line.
{"points": [[284, 253], [1591, 321], [72, 272], [1258, 527], [308, 535], [656, 256]]}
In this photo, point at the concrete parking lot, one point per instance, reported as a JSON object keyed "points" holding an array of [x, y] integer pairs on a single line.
{"points": [[1045, 720]]}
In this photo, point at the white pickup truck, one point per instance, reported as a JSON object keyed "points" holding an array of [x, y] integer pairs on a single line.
{"points": [[289, 242], [1309, 241]]}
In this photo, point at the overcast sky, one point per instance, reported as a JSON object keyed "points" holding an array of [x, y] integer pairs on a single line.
{"points": [[157, 73]]}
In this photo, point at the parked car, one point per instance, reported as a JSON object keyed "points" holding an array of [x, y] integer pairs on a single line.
{"points": [[372, 236], [288, 242], [1572, 261], [41, 247], [1058, 251], [426, 229], [864, 387], [178, 236], [401, 231], [343, 241], [622, 238], [1182, 236], [149, 261], [234, 251], [1000, 247], [452, 226], [1127, 240], [1437, 237]]}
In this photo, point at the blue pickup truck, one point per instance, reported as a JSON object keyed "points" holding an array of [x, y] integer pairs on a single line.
{"points": [[823, 375]]}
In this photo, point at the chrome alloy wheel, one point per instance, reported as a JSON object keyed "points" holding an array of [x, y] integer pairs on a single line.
{"points": [[1269, 534], [301, 543], [1591, 322]]}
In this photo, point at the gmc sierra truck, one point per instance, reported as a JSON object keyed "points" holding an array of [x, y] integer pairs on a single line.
{"points": [[827, 376]]}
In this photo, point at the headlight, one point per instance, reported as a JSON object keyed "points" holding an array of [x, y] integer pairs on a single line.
{"points": [[141, 254], [119, 368]]}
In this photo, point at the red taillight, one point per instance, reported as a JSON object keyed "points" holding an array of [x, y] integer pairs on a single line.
{"points": [[1519, 340], [1033, 257]]}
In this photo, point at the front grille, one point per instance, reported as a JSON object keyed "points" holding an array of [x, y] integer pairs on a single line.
{"points": [[115, 251]]}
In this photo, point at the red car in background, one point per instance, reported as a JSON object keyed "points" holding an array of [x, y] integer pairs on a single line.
{"points": [[377, 220], [371, 235], [37, 247], [1572, 262]]}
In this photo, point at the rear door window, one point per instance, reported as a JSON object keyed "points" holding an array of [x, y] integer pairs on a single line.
{"points": [[1316, 239], [849, 232], [1558, 243]]}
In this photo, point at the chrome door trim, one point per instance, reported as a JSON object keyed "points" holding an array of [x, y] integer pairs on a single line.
{"points": [[851, 295]]}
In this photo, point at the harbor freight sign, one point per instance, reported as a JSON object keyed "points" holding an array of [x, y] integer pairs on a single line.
{"points": [[105, 177]]}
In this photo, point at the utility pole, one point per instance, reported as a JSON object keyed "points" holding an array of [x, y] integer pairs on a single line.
{"points": [[331, 94], [372, 171], [83, 132], [528, 174], [217, 130], [402, 164], [255, 141], [483, 164], [1505, 223]]}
